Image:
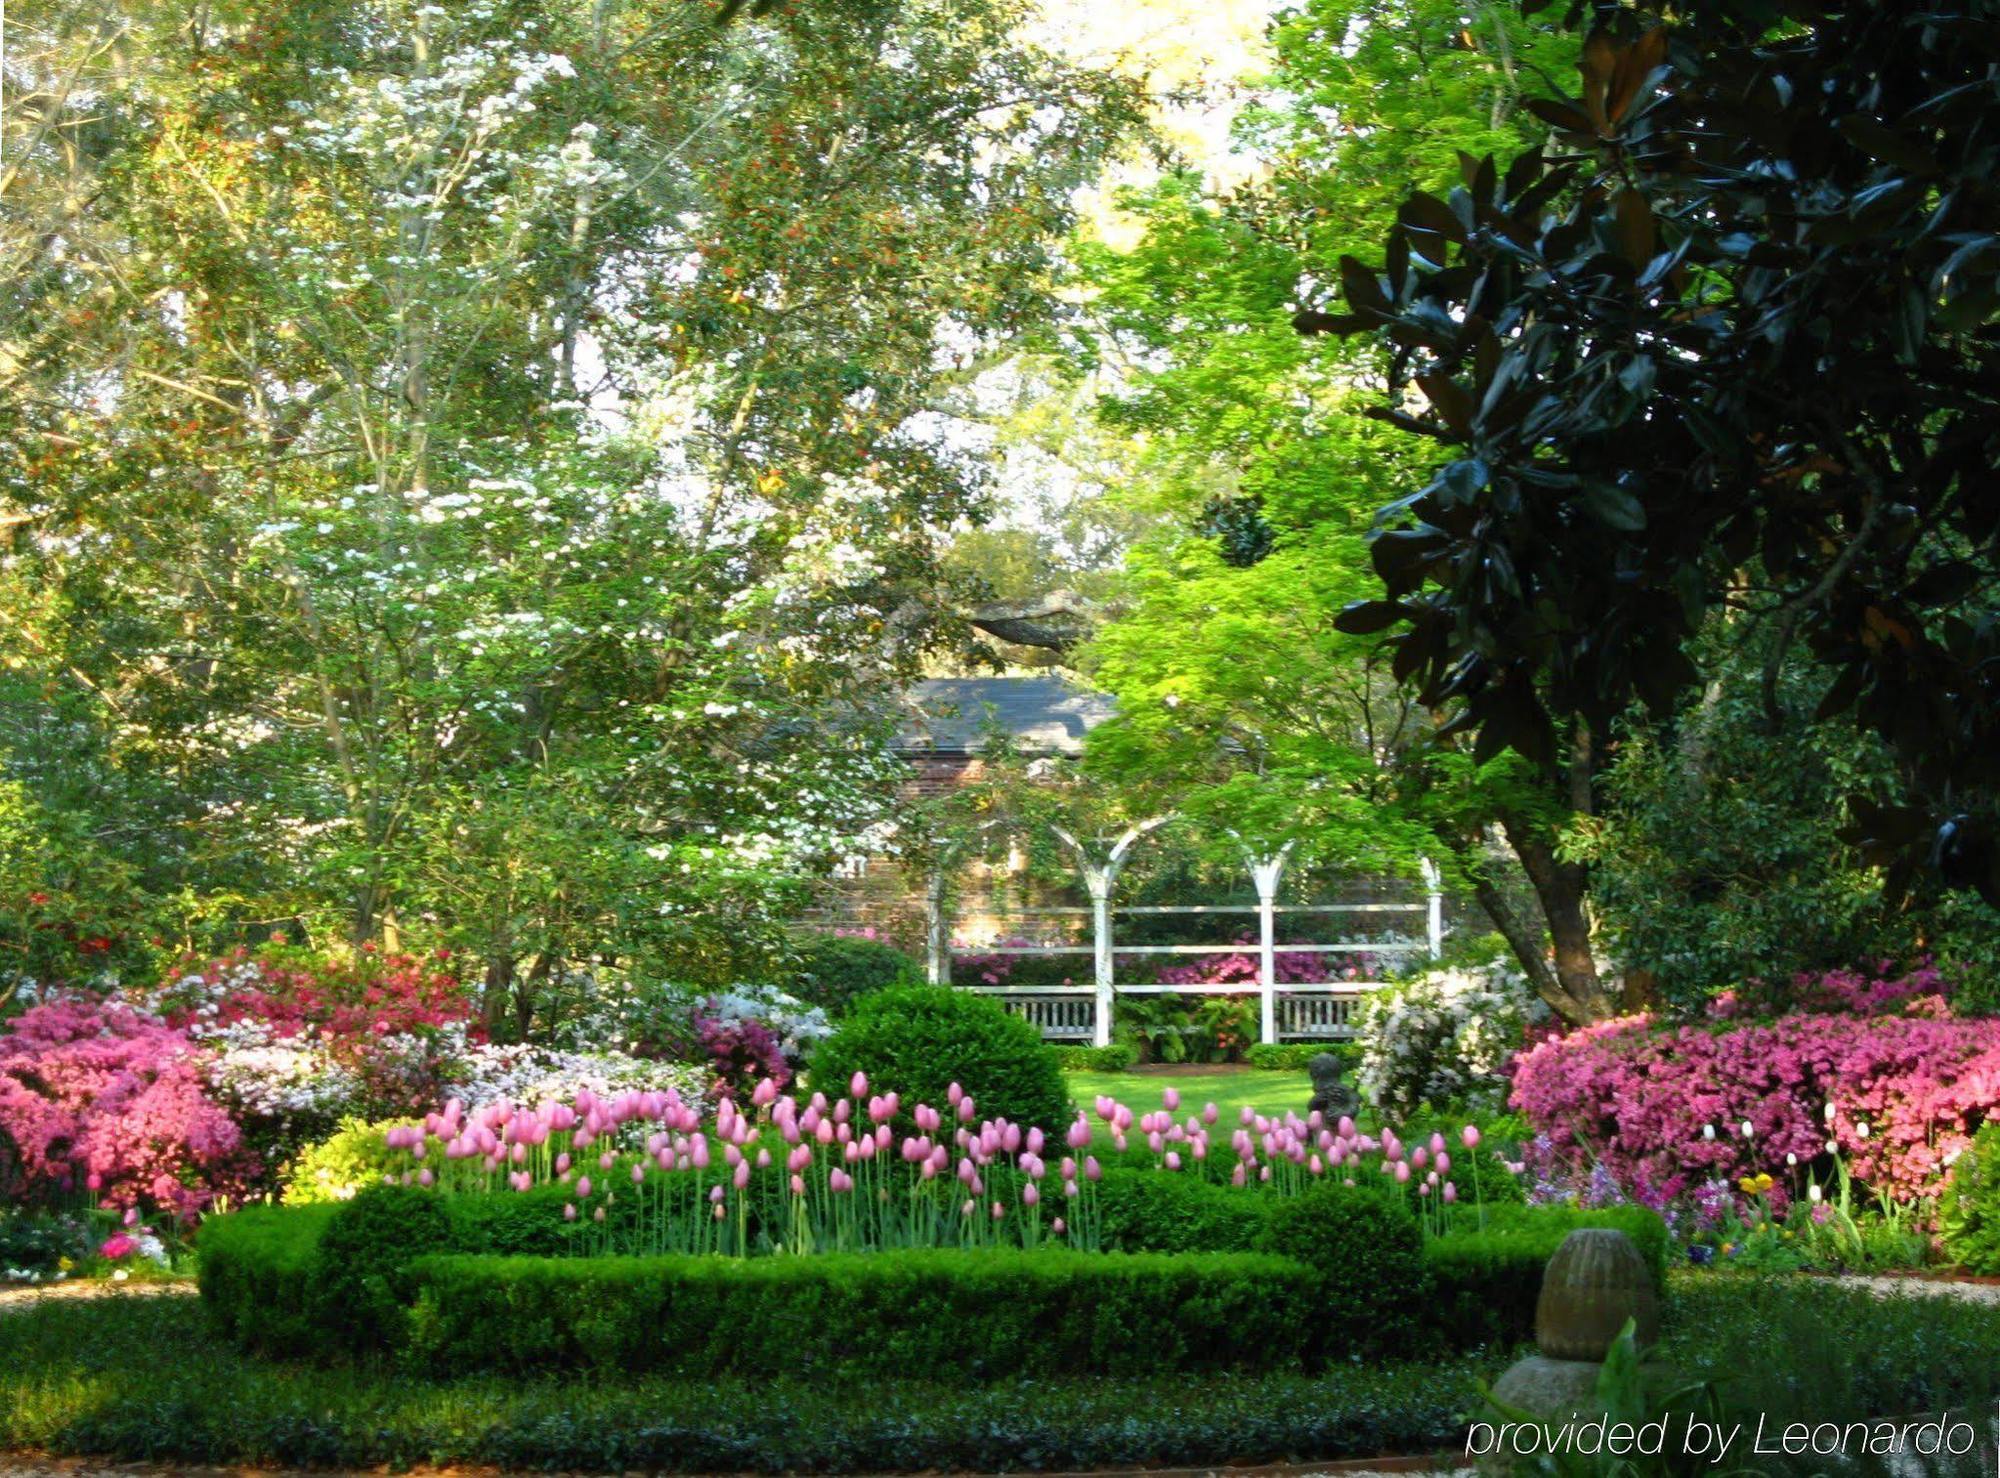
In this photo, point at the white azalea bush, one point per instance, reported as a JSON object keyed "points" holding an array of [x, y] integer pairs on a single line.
{"points": [[1445, 1037]]}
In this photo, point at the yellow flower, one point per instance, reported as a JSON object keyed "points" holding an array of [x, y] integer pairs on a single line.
{"points": [[1755, 1185], [66, 1264]]}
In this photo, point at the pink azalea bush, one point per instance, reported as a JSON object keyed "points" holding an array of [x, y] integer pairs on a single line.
{"points": [[1895, 1097], [1289, 966], [1922, 991], [100, 1097]]}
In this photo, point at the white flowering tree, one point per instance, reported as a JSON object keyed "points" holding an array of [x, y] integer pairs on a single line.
{"points": [[494, 456]]}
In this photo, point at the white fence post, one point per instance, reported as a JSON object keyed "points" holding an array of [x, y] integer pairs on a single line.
{"points": [[1265, 872], [1434, 880], [937, 932], [1098, 877]]}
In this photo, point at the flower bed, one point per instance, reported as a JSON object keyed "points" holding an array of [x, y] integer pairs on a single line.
{"points": [[1666, 1111], [636, 1227]]}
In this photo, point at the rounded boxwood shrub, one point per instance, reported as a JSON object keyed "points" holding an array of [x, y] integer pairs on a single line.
{"points": [[367, 1241], [836, 970], [919, 1040], [1368, 1254]]}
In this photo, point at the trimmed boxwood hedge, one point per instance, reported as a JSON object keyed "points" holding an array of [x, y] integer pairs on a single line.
{"points": [[441, 1275], [978, 1314]]}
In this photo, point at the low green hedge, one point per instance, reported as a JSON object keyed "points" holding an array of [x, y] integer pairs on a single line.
{"points": [[1114, 1058], [440, 1276], [1294, 1057], [948, 1313], [260, 1276]]}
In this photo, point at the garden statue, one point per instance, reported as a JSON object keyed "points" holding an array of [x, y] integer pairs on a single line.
{"points": [[1331, 1096], [1594, 1283]]}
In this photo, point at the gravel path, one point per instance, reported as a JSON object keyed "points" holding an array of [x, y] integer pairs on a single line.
{"points": [[40, 1293]]}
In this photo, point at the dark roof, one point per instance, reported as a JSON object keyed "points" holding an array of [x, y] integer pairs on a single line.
{"points": [[1043, 715]]}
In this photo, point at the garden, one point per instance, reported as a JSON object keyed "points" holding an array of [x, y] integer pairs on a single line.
{"points": [[1470, 902]]}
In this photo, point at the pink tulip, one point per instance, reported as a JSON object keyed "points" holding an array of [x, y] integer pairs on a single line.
{"points": [[606, 1160], [763, 1159], [1423, 1190], [715, 1194], [798, 1185], [1057, 1226], [1092, 1171], [1450, 1191], [965, 1110], [1210, 1113], [569, 1211], [741, 1178], [1171, 1097], [425, 1178], [583, 1186], [1469, 1136], [1031, 1194], [953, 1094], [1346, 1127], [1437, 1142], [1402, 1172], [721, 1212], [639, 1173], [999, 1211], [1443, 1163], [763, 1093], [1418, 1157]]}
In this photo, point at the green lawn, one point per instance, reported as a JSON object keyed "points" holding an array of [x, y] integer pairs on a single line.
{"points": [[1228, 1088]]}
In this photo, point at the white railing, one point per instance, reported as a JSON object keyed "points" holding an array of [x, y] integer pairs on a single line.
{"points": [[1288, 1012]]}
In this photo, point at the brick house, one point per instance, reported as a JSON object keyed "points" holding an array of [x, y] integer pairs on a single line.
{"points": [[947, 728]]}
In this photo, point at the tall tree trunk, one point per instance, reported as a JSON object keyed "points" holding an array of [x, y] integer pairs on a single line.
{"points": [[1579, 996]]}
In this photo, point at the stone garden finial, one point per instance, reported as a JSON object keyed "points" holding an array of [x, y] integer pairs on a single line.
{"points": [[1595, 1282], [1331, 1095]]}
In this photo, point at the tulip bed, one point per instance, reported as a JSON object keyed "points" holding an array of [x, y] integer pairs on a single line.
{"points": [[857, 1236]]}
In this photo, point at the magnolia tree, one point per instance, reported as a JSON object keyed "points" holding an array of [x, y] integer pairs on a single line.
{"points": [[498, 445]]}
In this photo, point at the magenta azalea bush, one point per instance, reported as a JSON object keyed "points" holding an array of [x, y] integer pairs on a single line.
{"points": [[1666, 1110], [103, 1098]]}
